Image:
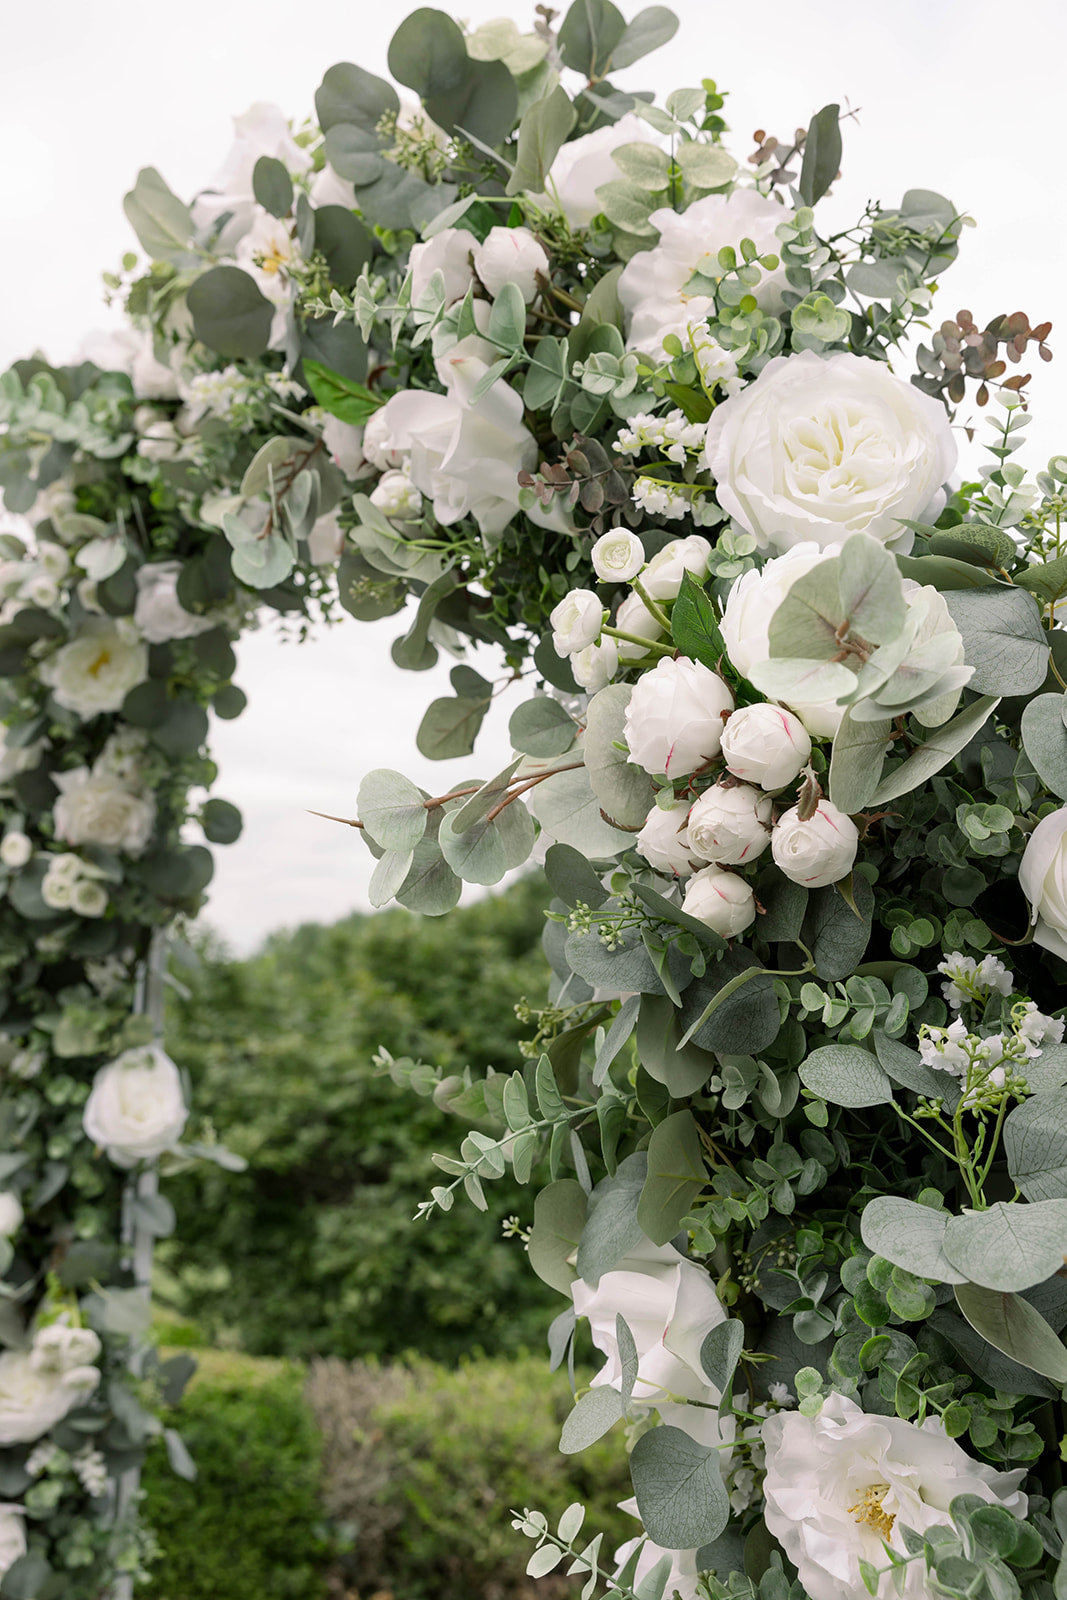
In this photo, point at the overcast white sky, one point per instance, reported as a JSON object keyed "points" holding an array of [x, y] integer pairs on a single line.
{"points": [[961, 96]]}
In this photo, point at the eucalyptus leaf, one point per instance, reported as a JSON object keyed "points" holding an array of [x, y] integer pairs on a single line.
{"points": [[489, 849], [559, 1217], [938, 750], [541, 727], [542, 131], [676, 1175], [612, 1230], [1003, 639], [272, 185], [846, 1075], [1008, 1247], [822, 154], [1012, 1325], [721, 1351], [856, 761], [391, 809], [909, 1235], [1035, 1145], [162, 222], [680, 1493], [229, 313], [1045, 740], [594, 1415], [625, 792], [651, 28]]}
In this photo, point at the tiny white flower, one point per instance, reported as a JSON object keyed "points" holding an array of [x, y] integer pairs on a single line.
{"points": [[88, 898]]}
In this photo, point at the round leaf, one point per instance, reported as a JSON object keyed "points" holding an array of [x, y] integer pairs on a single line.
{"points": [[229, 313]]}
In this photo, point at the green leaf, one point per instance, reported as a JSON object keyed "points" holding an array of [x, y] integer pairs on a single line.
{"points": [[588, 36], [676, 1175], [391, 809], [336, 346], [1003, 639], [721, 1351], [625, 793], [611, 1229], [975, 542], [492, 847], [484, 106], [831, 930], [431, 886], [705, 165], [389, 875], [745, 1018], [559, 1217], [856, 761], [937, 752], [679, 1489], [822, 155], [644, 164], [906, 1066], [220, 821], [27, 1578], [651, 28], [449, 727], [229, 313], [571, 877], [507, 319], [694, 627], [627, 205], [1008, 1247], [338, 395], [1045, 740], [594, 1415], [427, 53], [569, 812], [162, 222], [413, 650], [909, 1235], [175, 874], [659, 1031], [1035, 1145], [345, 241], [542, 132], [184, 729], [1048, 582], [349, 94], [272, 186], [542, 728], [845, 1075], [945, 574], [1012, 1325]]}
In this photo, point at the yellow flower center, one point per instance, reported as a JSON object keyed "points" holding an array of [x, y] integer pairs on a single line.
{"points": [[100, 663], [273, 261], [869, 1509]]}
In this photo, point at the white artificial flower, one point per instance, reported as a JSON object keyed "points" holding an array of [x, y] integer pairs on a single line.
{"points": [[159, 614], [617, 556], [730, 825], [839, 1483], [268, 253], [344, 441], [664, 840], [972, 980], [952, 1049], [718, 367], [1035, 1029], [55, 501], [159, 441], [659, 499], [818, 851], [1043, 880], [16, 848], [54, 560], [96, 808], [41, 590], [96, 670], [672, 434], [823, 447], [10, 1213], [653, 285], [596, 665], [59, 1347], [88, 898], [38, 1388], [675, 715], [12, 1535], [576, 621], [328, 188], [99, 558], [15, 759], [662, 578], [682, 1578], [136, 1109], [634, 617], [765, 744], [511, 255], [582, 165], [449, 253], [379, 445], [123, 756], [722, 900], [326, 540], [396, 496], [261, 131]]}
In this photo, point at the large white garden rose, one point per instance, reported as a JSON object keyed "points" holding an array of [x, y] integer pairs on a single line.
{"points": [[159, 614], [95, 672], [40, 1385], [675, 715], [652, 287], [136, 1109], [1043, 880], [12, 1535], [582, 165], [822, 447], [840, 1482], [96, 808]]}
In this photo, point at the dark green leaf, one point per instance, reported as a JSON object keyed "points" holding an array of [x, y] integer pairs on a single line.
{"points": [[588, 36], [679, 1489], [694, 627], [272, 186], [345, 241], [221, 822], [676, 1175], [822, 154], [349, 94], [162, 222], [229, 313]]}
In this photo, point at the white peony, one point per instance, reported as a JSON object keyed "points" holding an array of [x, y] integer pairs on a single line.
{"points": [[12, 1535], [136, 1109], [261, 131], [818, 448], [10, 1213], [576, 621], [818, 851], [88, 898], [617, 556], [449, 253], [511, 255], [675, 717], [95, 672], [16, 848], [841, 1482], [40, 1385], [596, 665], [652, 287], [765, 744], [96, 808], [582, 165], [159, 613], [722, 900], [730, 824], [662, 578], [664, 840], [1043, 880]]}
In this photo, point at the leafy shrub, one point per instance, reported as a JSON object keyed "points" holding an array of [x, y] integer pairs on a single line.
{"points": [[424, 1464], [251, 1527], [312, 1249]]}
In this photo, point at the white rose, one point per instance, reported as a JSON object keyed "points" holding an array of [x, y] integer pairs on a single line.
{"points": [[681, 1580], [136, 1110], [12, 1535], [95, 672], [765, 744], [633, 616], [261, 131], [88, 898], [841, 1482], [662, 578], [582, 165], [448, 252], [396, 496], [730, 825], [576, 621], [652, 287], [10, 1213], [511, 255], [56, 892], [596, 665], [675, 716], [816, 852], [818, 448], [344, 441], [1043, 880], [159, 613], [617, 556], [16, 848], [95, 808], [722, 900], [34, 1399], [664, 839]]}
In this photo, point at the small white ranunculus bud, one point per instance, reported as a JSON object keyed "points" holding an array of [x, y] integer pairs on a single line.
{"points": [[633, 616], [88, 898], [57, 892], [675, 716], [448, 252], [765, 744], [510, 255], [664, 839], [618, 556], [576, 621], [730, 824], [722, 900], [596, 665], [396, 496], [10, 1213], [1043, 880], [662, 578], [818, 851], [16, 848]]}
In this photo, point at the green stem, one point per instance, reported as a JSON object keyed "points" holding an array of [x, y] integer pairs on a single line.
{"points": [[652, 606], [649, 645]]}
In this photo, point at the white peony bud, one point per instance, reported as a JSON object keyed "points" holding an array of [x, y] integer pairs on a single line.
{"points": [[722, 900], [16, 848], [765, 744], [675, 716], [596, 665], [448, 252], [618, 556], [10, 1213], [664, 839], [576, 621], [396, 496], [662, 578], [730, 824], [511, 255], [634, 617], [816, 852]]}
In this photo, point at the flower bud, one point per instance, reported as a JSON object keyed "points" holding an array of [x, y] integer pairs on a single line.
{"points": [[730, 825], [675, 716], [10, 1213], [16, 848], [664, 839], [510, 255], [662, 578], [596, 665], [765, 744], [576, 621], [722, 900], [818, 851], [618, 556]]}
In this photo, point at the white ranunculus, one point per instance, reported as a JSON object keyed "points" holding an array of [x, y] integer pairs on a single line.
{"points": [[96, 808], [582, 165], [261, 131], [816, 852], [664, 840], [730, 824], [10, 1213], [1043, 880], [722, 900], [765, 744], [136, 1109], [511, 255], [617, 556], [96, 670], [633, 616], [576, 621], [596, 665], [40, 1385], [159, 613], [12, 1535], [16, 848], [682, 1578], [382, 446], [662, 578], [88, 898], [822, 447], [449, 253], [841, 1482], [675, 716], [344, 441], [652, 287]]}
